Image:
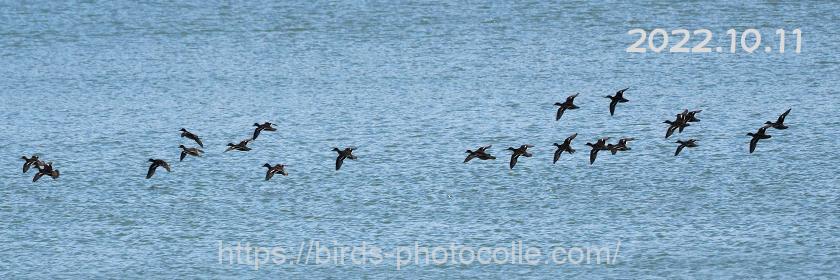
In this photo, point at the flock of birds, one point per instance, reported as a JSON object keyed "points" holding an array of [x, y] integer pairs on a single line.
{"points": [[683, 120]]}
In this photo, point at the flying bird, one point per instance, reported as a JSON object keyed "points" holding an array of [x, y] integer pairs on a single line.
{"points": [[242, 146], [569, 104], [690, 143], [46, 169], [277, 169], [677, 125], [267, 126], [481, 154], [620, 146], [517, 152], [760, 134], [343, 154], [196, 152], [618, 98], [599, 145], [780, 123], [190, 135], [29, 162], [565, 147], [154, 165]]}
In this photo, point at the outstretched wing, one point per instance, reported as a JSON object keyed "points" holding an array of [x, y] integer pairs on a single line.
{"points": [[269, 174], [753, 143], [679, 149], [560, 113], [781, 119], [612, 106], [197, 140], [513, 159], [339, 161], [183, 154], [37, 176], [557, 154], [166, 166], [151, 170], [469, 157], [257, 132], [592, 155]]}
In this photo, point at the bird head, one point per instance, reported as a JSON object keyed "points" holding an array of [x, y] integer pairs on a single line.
{"points": [[469, 151], [183, 129], [267, 165], [151, 160]]}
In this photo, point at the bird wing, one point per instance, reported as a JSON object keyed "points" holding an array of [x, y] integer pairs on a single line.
{"points": [[679, 148], [753, 142], [669, 131], [557, 154], [269, 174], [183, 155], [592, 155], [612, 106], [338, 161], [560, 113], [37, 176], [257, 132], [513, 159], [470, 157], [570, 138], [27, 165], [197, 140], [151, 170], [166, 166], [781, 119]]}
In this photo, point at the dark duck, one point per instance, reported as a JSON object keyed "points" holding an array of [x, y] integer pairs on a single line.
{"points": [[618, 98], [276, 169], [569, 104], [267, 126], [780, 123], [191, 136], [760, 134], [517, 152], [343, 154], [565, 147], [481, 153], [599, 145], [690, 143]]}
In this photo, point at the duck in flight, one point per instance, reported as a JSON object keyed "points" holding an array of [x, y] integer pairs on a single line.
{"points": [[569, 104], [481, 154], [29, 162], [565, 147], [760, 134], [677, 125], [618, 98], [517, 152], [267, 126], [196, 152], [155, 164], [276, 169], [780, 123], [599, 145], [192, 136], [242, 146], [46, 169], [343, 154], [621, 146], [690, 143]]}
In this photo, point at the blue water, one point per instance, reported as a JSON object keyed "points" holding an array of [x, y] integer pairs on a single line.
{"points": [[100, 87]]}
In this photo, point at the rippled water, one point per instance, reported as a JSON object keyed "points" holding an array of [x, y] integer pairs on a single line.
{"points": [[100, 87]]}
